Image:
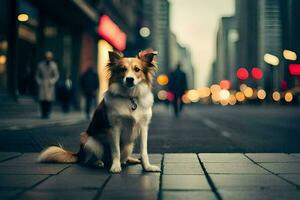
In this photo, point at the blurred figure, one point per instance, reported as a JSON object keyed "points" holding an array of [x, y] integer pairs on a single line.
{"points": [[89, 85], [65, 93], [178, 86], [46, 76]]}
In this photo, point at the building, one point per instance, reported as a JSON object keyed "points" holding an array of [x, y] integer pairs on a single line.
{"points": [[71, 30], [225, 65], [156, 16]]}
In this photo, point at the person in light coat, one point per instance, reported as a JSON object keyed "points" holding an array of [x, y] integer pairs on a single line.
{"points": [[46, 76]]}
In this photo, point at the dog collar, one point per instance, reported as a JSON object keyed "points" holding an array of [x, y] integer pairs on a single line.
{"points": [[133, 104]]}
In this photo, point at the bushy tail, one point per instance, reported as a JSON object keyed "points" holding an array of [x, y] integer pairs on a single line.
{"points": [[56, 154]]}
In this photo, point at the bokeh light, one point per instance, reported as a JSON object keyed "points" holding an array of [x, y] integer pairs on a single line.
{"points": [[289, 55], [162, 95], [248, 92], [215, 88], [276, 96], [193, 95], [240, 96], [185, 99], [204, 92], [23, 17], [257, 73], [288, 97], [225, 84], [232, 100], [261, 94], [170, 96], [145, 32], [162, 79], [243, 87], [271, 59], [224, 94], [242, 73]]}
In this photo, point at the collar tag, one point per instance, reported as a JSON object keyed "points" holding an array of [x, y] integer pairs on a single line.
{"points": [[133, 104]]}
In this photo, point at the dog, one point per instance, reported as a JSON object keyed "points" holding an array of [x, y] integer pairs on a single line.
{"points": [[122, 116]]}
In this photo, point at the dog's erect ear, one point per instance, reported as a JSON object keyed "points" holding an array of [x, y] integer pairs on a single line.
{"points": [[147, 55], [114, 56]]}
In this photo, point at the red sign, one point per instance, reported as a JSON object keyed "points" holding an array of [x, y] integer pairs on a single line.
{"points": [[257, 73], [242, 73], [110, 31], [294, 69]]}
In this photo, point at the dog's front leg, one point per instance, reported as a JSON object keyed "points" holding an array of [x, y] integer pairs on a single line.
{"points": [[144, 152], [115, 150]]}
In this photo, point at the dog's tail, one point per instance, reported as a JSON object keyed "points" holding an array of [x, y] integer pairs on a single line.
{"points": [[56, 154]]}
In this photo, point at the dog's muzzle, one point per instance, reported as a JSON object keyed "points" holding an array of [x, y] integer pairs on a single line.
{"points": [[129, 82]]}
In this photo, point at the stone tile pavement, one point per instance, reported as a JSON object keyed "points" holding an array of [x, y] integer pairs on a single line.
{"points": [[231, 176]]}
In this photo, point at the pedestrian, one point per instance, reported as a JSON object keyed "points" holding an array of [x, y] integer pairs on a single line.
{"points": [[89, 85], [46, 77], [178, 86]]}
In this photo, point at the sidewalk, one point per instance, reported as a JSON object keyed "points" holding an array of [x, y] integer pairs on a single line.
{"points": [[25, 114], [184, 176]]}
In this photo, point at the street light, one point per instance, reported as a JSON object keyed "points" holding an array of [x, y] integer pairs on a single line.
{"points": [[289, 55], [271, 59]]}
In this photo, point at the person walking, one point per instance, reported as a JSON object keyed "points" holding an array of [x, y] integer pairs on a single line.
{"points": [[89, 85], [46, 77], [178, 86]]}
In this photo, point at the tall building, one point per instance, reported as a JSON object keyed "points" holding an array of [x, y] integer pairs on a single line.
{"points": [[227, 37], [156, 16], [270, 41]]}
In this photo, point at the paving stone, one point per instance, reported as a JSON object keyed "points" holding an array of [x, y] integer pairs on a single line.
{"points": [[64, 181], [8, 193], [184, 195], [296, 155], [129, 195], [84, 170], [132, 182], [282, 168], [295, 178], [28, 158], [234, 168], [260, 195], [252, 181], [272, 157], [136, 169], [224, 157], [180, 158], [32, 169], [154, 158], [183, 168], [20, 181], [55, 195], [8, 155], [184, 182]]}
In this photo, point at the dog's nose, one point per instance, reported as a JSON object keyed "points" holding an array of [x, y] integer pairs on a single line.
{"points": [[129, 80]]}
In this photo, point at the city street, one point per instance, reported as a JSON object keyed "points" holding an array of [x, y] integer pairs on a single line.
{"points": [[210, 129]]}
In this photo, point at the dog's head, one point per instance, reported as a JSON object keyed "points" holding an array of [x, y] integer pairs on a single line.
{"points": [[132, 71]]}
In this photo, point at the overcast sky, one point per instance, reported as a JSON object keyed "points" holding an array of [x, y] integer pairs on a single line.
{"points": [[195, 23]]}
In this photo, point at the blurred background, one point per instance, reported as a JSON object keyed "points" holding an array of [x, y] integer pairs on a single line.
{"points": [[232, 52], [238, 82]]}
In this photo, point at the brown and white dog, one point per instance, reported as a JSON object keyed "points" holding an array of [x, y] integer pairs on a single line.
{"points": [[122, 116]]}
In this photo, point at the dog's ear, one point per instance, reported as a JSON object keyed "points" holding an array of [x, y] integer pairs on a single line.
{"points": [[147, 55], [114, 56]]}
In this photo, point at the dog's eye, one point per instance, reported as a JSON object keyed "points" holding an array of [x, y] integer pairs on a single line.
{"points": [[136, 69]]}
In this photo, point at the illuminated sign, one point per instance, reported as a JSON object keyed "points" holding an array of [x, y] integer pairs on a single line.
{"points": [[110, 31], [294, 69]]}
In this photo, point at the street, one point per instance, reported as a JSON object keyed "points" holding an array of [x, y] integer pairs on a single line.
{"points": [[199, 129]]}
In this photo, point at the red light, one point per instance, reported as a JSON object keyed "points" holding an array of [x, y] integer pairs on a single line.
{"points": [[242, 73], [294, 69], [225, 84], [170, 96], [257, 73], [112, 33]]}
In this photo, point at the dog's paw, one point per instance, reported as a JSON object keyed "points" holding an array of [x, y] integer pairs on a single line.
{"points": [[115, 168], [152, 168]]}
